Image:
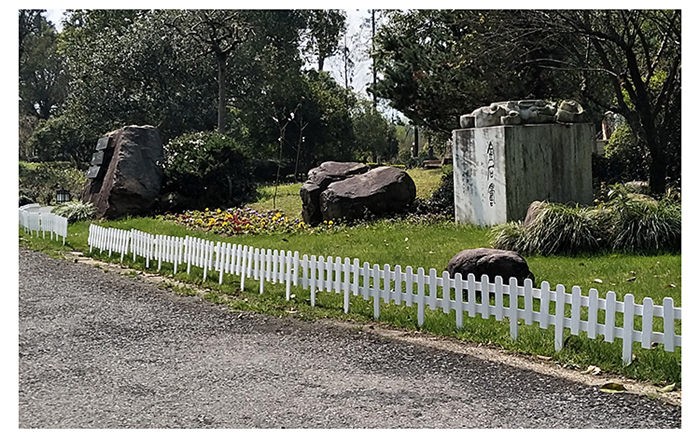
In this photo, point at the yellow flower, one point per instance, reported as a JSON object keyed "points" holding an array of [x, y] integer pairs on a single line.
{"points": [[206, 209], [218, 210]]}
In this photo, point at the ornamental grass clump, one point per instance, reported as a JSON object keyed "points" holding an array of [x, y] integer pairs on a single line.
{"points": [[509, 236], [644, 225], [75, 211], [563, 229]]}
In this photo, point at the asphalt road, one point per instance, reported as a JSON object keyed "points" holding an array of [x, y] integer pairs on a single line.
{"points": [[99, 350]]}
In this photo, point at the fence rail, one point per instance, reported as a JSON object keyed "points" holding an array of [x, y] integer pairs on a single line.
{"points": [[404, 286], [34, 221]]}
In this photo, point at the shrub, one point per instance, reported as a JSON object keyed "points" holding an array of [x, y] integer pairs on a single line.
{"points": [[40, 181], [625, 157], [563, 229], [646, 224], [75, 211], [207, 169], [442, 201]]}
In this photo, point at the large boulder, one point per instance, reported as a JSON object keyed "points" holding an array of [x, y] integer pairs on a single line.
{"points": [[319, 179], [492, 262], [126, 173], [380, 191]]}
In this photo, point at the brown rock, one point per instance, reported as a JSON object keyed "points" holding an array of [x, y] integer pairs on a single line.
{"points": [[492, 262], [532, 211], [380, 191], [129, 178], [319, 179]]}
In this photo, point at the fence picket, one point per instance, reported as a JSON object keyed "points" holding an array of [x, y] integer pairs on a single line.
{"points": [[445, 292], [485, 297], [386, 291], [592, 313], [627, 328], [375, 290], [559, 319], [459, 302], [513, 307], [409, 286], [669, 334], [610, 316], [432, 287], [498, 290], [575, 310], [647, 320], [527, 301], [471, 295], [420, 300], [312, 280], [397, 284]]}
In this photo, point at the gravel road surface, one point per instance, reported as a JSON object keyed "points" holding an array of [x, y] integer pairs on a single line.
{"points": [[100, 350]]}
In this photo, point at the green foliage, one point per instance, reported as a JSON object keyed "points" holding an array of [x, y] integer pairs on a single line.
{"points": [[626, 157], [40, 182], [207, 169], [375, 137], [628, 222], [645, 224], [75, 211]]}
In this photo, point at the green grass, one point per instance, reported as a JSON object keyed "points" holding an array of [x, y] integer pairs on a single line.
{"points": [[287, 201], [427, 181], [432, 246]]}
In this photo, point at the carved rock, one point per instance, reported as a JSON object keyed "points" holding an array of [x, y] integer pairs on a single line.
{"points": [[515, 112], [128, 180], [569, 111]]}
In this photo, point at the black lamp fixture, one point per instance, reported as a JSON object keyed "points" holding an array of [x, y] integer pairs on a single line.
{"points": [[62, 195]]}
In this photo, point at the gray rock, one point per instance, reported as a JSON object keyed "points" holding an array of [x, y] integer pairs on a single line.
{"points": [[492, 262], [130, 181], [380, 191], [532, 211], [319, 178]]}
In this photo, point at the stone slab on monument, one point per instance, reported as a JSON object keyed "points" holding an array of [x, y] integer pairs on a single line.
{"points": [[128, 179], [501, 167]]}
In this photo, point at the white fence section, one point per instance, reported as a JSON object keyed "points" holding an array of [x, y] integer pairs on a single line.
{"points": [[406, 286], [32, 220]]}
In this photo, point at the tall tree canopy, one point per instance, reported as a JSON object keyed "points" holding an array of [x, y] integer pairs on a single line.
{"points": [[437, 65]]}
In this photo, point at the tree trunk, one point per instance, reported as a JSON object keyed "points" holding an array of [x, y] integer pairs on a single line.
{"points": [[321, 59], [414, 151], [221, 121], [374, 67]]}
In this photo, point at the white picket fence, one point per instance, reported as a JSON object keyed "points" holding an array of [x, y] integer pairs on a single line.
{"points": [[407, 287], [32, 220]]}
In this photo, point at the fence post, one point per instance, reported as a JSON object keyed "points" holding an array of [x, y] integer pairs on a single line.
{"points": [[485, 297], [498, 289], [375, 290], [592, 313], [627, 327], [471, 295], [647, 320], [386, 291], [312, 280], [513, 307], [459, 302], [575, 310], [420, 301], [669, 330], [610, 309], [559, 319], [397, 284], [243, 260]]}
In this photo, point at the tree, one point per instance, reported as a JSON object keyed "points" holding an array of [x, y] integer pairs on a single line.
{"points": [[374, 135], [438, 65], [218, 33], [635, 57], [42, 76], [324, 28]]}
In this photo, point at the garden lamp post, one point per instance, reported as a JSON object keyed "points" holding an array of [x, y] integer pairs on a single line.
{"points": [[62, 195]]}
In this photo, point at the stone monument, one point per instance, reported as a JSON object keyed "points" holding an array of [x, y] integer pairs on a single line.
{"points": [[125, 175], [509, 154]]}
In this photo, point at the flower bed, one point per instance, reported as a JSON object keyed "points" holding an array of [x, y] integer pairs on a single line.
{"points": [[244, 221]]}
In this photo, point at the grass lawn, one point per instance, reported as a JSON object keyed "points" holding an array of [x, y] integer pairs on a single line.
{"points": [[431, 246]]}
